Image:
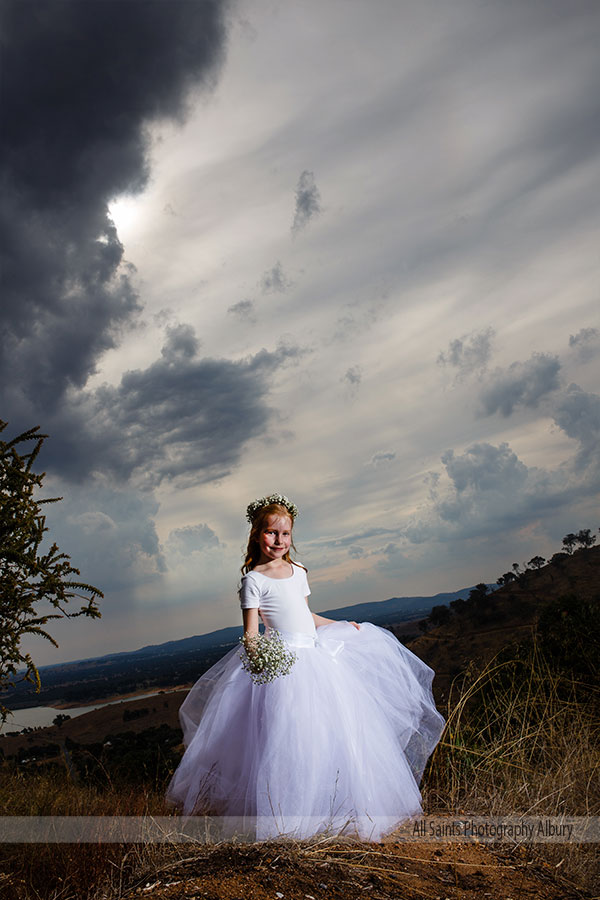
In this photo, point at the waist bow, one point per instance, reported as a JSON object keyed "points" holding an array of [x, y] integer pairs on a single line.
{"points": [[332, 646]]}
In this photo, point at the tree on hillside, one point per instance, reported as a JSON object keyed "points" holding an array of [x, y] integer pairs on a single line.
{"points": [[458, 606], [59, 719], [478, 595], [569, 631], [507, 578], [31, 576], [536, 562], [585, 538], [439, 615], [558, 559]]}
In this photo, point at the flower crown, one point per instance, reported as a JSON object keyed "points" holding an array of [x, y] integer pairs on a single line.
{"points": [[254, 507]]}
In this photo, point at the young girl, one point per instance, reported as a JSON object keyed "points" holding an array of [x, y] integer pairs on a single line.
{"points": [[336, 745]]}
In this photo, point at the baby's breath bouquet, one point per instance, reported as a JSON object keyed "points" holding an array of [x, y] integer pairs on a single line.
{"points": [[266, 656]]}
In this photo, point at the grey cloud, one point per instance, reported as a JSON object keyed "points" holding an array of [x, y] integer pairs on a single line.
{"points": [[356, 322], [81, 80], [192, 539], [391, 549], [110, 535], [484, 488], [509, 204], [485, 467], [382, 456], [488, 490], [184, 417], [355, 552], [181, 343], [308, 201], [394, 561], [244, 310], [353, 376], [521, 384], [586, 343], [274, 281], [357, 538], [469, 353], [578, 415], [484, 480], [248, 30], [266, 360]]}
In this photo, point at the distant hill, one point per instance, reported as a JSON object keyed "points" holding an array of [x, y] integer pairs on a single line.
{"points": [[510, 615], [181, 661], [397, 609]]}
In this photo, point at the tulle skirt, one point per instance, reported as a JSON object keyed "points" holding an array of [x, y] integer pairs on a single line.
{"points": [[338, 745]]}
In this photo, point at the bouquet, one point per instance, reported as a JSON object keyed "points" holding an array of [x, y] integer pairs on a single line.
{"points": [[266, 656]]}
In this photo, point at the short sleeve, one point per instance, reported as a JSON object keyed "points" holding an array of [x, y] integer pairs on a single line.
{"points": [[306, 588], [249, 593]]}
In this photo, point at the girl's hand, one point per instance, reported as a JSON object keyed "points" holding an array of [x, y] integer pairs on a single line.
{"points": [[250, 642], [356, 625]]}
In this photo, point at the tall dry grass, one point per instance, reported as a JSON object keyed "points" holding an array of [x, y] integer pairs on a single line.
{"points": [[522, 738], [74, 871]]}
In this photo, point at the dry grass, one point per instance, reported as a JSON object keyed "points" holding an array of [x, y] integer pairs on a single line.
{"points": [[521, 739], [71, 871]]}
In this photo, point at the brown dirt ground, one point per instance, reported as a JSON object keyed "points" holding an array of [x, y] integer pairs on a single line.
{"points": [[386, 871]]}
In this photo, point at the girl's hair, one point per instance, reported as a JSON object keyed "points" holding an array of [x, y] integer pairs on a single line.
{"points": [[258, 523]]}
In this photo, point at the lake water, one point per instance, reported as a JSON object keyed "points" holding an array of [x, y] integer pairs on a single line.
{"points": [[41, 716]]}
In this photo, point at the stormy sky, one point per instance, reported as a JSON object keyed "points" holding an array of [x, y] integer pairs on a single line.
{"points": [[342, 250]]}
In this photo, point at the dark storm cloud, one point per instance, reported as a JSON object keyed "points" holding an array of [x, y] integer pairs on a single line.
{"points": [[521, 384], [183, 418], [80, 82], [469, 353], [274, 280], [308, 201]]}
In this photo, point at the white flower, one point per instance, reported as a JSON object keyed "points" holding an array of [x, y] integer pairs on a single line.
{"points": [[266, 656], [266, 501]]}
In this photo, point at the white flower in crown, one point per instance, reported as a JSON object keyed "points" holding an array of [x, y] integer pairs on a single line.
{"points": [[254, 507]]}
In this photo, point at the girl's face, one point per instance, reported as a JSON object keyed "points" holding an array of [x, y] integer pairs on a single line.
{"points": [[275, 537]]}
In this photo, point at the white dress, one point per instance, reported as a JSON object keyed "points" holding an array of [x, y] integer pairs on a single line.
{"points": [[338, 745]]}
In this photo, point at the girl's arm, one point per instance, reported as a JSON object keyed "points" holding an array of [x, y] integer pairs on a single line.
{"points": [[250, 617], [321, 620]]}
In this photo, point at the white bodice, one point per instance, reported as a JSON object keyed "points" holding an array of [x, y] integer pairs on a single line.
{"points": [[281, 601]]}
